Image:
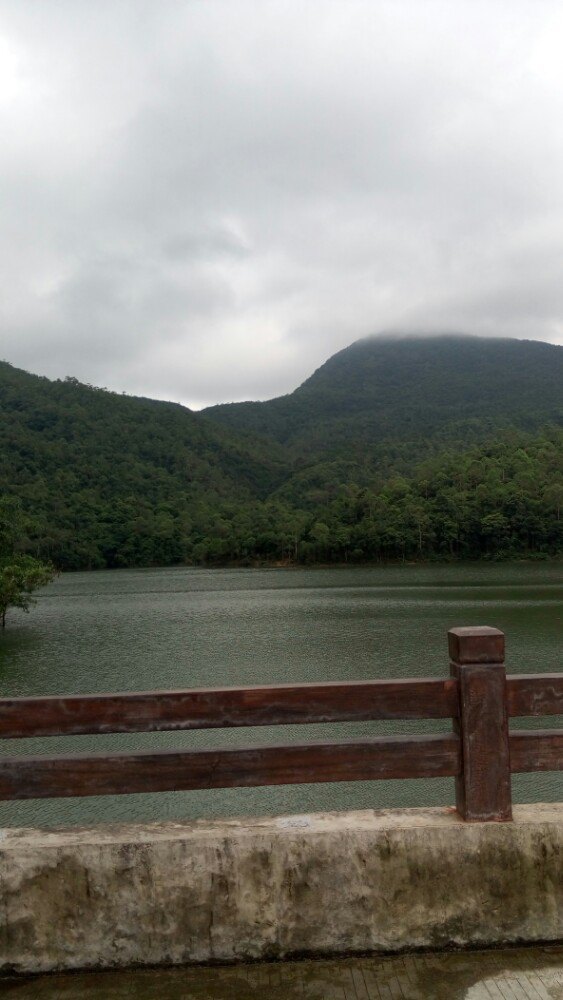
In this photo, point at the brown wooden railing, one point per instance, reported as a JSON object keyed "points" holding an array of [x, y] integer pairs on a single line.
{"points": [[480, 754]]}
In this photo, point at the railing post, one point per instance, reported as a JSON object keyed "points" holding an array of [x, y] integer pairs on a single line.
{"points": [[483, 789]]}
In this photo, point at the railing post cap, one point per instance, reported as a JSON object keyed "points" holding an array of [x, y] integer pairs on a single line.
{"points": [[476, 644]]}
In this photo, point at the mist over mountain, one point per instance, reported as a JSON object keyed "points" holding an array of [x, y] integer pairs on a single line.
{"points": [[384, 404], [396, 447], [414, 388]]}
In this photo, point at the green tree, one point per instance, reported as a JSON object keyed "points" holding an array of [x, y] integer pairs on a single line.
{"points": [[19, 577], [20, 574]]}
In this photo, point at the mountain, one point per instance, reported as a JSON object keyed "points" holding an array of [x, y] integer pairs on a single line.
{"points": [[436, 447], [414, 390], [384, 404], [82, 460]]}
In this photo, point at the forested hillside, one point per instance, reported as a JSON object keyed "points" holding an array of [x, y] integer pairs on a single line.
{"points": [[384, 404], [446, 447], [111, 480]]}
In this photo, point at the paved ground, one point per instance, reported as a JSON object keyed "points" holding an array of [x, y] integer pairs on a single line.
{"points": [[519, 974]]}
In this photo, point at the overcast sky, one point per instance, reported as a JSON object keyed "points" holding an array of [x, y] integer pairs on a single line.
{"points": [[202, 200]]}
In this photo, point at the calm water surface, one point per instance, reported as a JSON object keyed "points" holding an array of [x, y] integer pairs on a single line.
{"points": [[166, 628]]}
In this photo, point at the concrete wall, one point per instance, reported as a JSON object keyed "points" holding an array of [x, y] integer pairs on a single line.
{"points": [[224, 891]]}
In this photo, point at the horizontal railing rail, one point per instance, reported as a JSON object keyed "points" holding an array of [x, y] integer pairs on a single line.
{"points": [[274, 705], [536, 750], [222, 708], [283, 764], [534, 694], [480, 753]]}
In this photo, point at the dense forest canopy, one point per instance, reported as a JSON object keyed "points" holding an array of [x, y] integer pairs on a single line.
{"points": [[444, 447]]}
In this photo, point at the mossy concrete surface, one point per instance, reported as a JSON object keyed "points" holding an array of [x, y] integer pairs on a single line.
{"points": [[227, 891]]}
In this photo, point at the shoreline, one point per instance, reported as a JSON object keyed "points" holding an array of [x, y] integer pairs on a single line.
{"points": [[282, 564]]}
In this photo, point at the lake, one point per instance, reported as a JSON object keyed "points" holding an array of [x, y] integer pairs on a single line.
{"points": [[167, 628]]}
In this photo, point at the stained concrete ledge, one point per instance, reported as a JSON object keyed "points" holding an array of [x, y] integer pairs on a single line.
{"points": [[169, 893]]}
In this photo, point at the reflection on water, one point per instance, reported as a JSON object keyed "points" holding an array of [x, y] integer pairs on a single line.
{"points": [[167, 628]]}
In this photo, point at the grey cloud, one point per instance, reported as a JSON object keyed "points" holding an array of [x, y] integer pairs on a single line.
{"points": [[202, 201]]}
